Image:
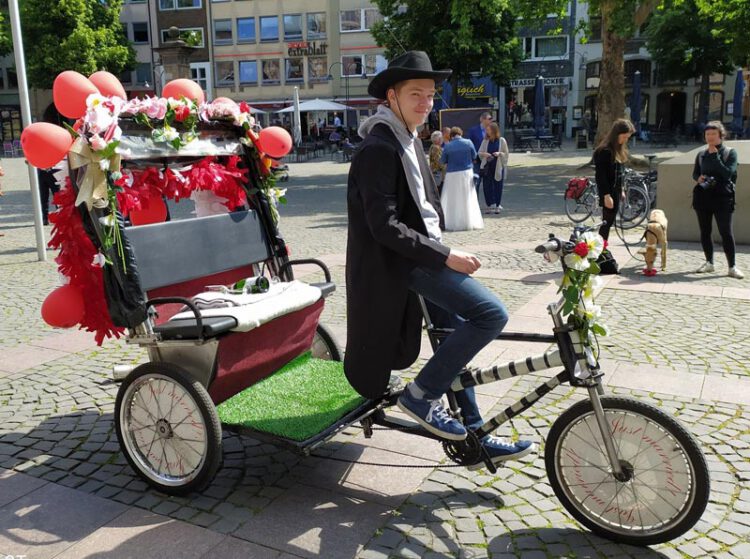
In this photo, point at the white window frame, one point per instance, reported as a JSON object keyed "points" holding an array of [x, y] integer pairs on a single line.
{"points": [[176, 7], [533, 39], [203, 35], [361, 20]]}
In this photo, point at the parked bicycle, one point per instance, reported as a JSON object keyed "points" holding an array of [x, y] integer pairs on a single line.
{"points": [[582, 200]]}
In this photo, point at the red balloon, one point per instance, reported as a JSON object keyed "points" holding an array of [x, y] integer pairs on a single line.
{"points": [[153, 211], [64, 307], [276, 141], [108, 84], [70, 91], [183, 87], [45, 144]]}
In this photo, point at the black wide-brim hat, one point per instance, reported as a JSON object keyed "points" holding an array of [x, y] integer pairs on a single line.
{"points": [[412, 65]]}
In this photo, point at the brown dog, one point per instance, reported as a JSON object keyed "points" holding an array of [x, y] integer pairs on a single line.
{"points": [[656, 234]]}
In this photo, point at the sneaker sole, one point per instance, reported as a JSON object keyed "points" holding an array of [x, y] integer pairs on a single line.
{"points": [[500, 459], [430, 428]]}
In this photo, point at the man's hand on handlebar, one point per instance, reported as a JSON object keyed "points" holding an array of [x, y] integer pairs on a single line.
{"points": [[463, 262]]}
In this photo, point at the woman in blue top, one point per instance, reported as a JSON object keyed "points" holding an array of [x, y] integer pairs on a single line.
{"points": [[459, 197]]}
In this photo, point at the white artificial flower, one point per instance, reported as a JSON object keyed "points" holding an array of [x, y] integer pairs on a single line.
{"points": [[595, 243], [170, 134], [576, 262], [99, 260]]}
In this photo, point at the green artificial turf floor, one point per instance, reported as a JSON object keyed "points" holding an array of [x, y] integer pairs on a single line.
{"points": [[302, 399]]}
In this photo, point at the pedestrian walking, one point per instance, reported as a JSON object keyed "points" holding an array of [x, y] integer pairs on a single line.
{"points": [[494, 154], [436, 150], [459, 196], [715, 173], [394, 253], [609, 160], [47, 185]]}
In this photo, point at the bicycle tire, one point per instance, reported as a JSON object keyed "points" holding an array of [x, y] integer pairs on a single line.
{"points": [[570, 456], [190, 399], [325, 346], [580, 209], [635, 208]]}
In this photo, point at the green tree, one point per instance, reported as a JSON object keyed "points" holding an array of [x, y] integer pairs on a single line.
{"points": [[619, 19], [732, 20], [81, 35], [464, 35], [685, 51]]}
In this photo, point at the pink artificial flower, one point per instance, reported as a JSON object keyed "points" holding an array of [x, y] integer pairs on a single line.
{"points": [[244, 107], [97, 142], [181, 112]]}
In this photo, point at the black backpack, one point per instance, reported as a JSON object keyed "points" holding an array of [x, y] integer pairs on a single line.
{"points": [[607, 264]]}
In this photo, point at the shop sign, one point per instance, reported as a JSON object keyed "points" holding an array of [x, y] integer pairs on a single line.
{"points": [[306, 48], [472, 92], [531, 82]]}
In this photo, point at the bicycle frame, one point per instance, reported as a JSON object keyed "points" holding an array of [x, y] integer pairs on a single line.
{"points": [[581, 369]]}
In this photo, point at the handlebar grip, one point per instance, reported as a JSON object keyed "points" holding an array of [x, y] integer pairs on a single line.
{"points": [[552, 245]]}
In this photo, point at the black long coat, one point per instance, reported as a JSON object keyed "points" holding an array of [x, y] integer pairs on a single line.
{"points": [[387, 239]]}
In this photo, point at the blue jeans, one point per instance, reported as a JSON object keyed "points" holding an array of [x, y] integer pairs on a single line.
{"points": [[477, 316]]}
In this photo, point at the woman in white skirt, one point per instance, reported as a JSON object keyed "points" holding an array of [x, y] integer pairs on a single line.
{"points": [[459, 196]]}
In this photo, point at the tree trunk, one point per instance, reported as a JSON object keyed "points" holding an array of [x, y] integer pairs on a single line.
{"points": [[610, 102], [703, 101]]}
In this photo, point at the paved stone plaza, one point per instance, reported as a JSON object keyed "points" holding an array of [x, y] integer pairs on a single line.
{"points": [[680, 342]]}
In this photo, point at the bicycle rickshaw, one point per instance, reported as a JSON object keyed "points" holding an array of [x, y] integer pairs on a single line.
{"points": [[623, 468]]}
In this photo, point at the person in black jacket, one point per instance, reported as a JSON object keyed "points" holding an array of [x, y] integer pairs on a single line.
{"points": [[609, 159], [715, 173], [394, 253]]}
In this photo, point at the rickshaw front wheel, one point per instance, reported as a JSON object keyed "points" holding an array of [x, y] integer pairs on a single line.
{"points": [[168, 428]]}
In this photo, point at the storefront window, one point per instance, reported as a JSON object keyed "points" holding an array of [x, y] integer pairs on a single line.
{"points": [[248, 72], [715, 106], [292, 27], [271, 72], [316, 26], [225, 74], [294, 70], [318, 68]]}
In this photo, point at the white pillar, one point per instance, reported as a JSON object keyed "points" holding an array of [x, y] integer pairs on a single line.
{"points": [[23, 94]]}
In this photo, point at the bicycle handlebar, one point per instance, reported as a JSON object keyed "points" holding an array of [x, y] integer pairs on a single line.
{"points": [[553, 244]]}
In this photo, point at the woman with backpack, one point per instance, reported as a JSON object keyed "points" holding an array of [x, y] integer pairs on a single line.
{"points": [[715, 173]]}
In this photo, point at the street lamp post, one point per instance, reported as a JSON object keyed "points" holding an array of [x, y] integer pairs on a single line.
{"points": [[345, 72]]}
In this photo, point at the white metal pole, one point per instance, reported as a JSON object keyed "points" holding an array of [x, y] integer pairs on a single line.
{"points": [[23, 94]]}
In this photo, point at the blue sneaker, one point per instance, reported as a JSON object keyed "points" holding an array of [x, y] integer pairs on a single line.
{"points": [[501, 450], [431, 415]]}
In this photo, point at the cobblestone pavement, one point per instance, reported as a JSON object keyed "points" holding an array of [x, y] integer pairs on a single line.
{"points": [[56, 419]]}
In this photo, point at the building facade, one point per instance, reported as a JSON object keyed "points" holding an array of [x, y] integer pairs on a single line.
{"points": [[265, 48]]}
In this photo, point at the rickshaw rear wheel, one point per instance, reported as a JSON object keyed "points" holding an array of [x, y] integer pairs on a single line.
{"points": [[325, 346], [168, 428]]}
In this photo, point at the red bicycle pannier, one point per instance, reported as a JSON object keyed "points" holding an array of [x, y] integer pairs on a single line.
{"points": [[576, 187]]}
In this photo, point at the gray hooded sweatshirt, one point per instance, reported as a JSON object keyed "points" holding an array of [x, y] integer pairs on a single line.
{"points": [[409, 160]]}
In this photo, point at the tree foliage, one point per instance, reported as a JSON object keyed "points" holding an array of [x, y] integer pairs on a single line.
{"points": [[463, 35], [684, 51], [81, 35], [620, 19], [732, 21]]}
